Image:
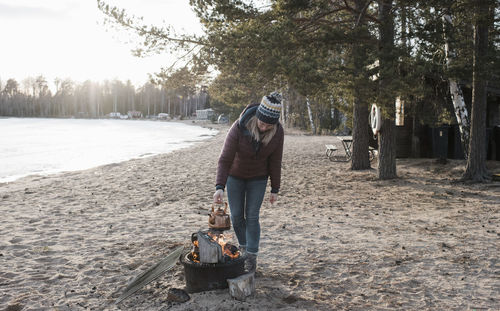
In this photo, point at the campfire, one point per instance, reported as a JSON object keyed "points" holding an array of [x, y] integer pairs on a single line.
{"points": [[212, 259], [212, 246], [212, 262]]}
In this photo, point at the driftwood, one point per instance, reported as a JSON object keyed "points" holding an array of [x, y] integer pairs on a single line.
{"points": [[242, 287], [151, 274]]}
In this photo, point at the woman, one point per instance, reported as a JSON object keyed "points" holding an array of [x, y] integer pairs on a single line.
{"points": [[251, 154]]}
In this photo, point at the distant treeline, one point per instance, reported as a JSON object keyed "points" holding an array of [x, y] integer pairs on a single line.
{"points": [[33, 98]]}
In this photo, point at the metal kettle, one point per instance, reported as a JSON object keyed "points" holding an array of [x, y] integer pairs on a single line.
{"points": [[219, 219]]}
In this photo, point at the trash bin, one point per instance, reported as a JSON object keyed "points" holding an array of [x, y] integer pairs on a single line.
{"points": [[496, 134], [455, 148], [489, 138], [425, 141], [439, 137]]}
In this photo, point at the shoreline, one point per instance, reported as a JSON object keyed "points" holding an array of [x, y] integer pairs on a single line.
{"points": [[335, 240], [55, 167]]}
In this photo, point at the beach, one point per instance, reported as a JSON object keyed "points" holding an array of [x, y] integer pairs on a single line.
{"points": [[335, 240]]}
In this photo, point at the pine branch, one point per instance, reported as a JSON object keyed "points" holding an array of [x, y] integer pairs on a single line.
{"points": [[120, 17]]}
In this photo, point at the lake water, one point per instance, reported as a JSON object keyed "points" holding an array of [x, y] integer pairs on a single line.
{"points": [[45, 146]]}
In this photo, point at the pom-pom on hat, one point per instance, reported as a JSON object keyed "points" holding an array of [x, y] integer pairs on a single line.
{"points": [[269, 109]]}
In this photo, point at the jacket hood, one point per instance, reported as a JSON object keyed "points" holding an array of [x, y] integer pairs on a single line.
{"points": [[245, 115]]}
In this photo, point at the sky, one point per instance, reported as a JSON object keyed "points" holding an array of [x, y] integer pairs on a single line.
{"points": [[68, 39]]}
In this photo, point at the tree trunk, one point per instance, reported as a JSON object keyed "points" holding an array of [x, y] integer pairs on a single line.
{"points": [[360, 158], [457, 97], [387, 150], [476, 170], [415, 141], [283, 113], [287, 112], [309, 112], [387, 135]]}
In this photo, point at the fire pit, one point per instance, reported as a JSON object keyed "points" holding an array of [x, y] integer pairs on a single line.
{"points": [[211, 262]]}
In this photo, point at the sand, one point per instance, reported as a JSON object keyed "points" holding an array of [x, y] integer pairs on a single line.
{"points": [[336, 239]]}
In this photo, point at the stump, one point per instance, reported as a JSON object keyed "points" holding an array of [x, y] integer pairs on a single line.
{"points": [[242, 287]]}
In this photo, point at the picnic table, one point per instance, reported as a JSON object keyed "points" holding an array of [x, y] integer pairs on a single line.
{"points": [[335, 155]]}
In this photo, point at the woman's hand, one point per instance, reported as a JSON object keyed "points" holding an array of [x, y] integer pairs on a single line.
{"points": [[273, 198], [218, 196]]}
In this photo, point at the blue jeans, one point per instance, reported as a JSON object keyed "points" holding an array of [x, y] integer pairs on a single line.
{"points": [[245, 198]]}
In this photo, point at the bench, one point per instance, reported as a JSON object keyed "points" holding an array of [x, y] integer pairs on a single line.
{"points": [[372, 152], [330, 149]]}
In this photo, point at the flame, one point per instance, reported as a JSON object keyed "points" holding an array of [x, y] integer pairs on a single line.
{"points": [[231, 255], [220, 239], [228, 249], [195, 255]]}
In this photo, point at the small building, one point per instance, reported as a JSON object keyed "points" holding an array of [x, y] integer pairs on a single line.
{"points": [[115, 115], [205, 114], [417, 137], [163, 116], [133, 114]]}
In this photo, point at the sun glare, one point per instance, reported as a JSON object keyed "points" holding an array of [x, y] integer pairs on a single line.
{"points": [[67, 39]]}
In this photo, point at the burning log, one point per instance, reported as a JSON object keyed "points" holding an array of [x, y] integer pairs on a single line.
{"points": [[230, 252], [210, 247], [210, 250]]}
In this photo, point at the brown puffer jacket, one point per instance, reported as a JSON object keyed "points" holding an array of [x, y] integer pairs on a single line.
{"points": [[242, 158]]}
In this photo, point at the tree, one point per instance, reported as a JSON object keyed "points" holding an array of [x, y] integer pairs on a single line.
{"points": [[12, 98], [11, 88], [360, 158], [457, 95], [386, 98], [182, 84], [476, 170], [67, 93], [321, 50], [299, 44]]}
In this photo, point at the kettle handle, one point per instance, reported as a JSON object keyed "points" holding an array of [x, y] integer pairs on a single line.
{"points": [[218, 207]]}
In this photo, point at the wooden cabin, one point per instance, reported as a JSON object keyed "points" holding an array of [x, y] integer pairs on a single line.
{"points": [[417, 137]]}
